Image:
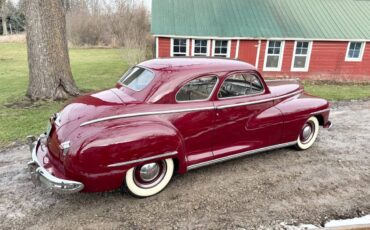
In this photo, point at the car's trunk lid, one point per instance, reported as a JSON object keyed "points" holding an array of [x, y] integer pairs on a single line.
{"points": [[82, 109], [283, 87]]}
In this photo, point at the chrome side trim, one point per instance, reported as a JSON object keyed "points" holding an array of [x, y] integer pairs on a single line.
{"points": [[145, 114], [202, 164], [282, 79], [321, 111], [259, 101], [185, 110], [143, 159]]}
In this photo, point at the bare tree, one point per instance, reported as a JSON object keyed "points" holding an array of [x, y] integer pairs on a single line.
{"points": [[115, 23], [50, 75], [4, 15]]}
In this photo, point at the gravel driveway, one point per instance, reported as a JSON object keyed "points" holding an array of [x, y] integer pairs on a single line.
{"points": [[329, 181]]}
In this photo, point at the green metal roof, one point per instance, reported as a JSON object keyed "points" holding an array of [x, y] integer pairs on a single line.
{"points": [[311, 19]]}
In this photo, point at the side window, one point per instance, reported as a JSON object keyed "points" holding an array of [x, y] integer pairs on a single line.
{"points": [[197, 89], [240, 84]]}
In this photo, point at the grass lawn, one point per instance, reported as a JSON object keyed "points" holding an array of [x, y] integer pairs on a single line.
{"points": [[93, 69], [335, 92]]}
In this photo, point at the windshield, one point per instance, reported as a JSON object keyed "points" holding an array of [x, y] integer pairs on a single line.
{"points": [[137, 78]]}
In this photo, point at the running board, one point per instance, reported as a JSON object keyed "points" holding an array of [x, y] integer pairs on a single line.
{"points": [[230, 157]]}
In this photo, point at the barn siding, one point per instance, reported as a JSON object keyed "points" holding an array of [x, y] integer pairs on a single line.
{"points": [[233, 48], [164, 49], [262, 56], [327, 59], [248, 51], [190, 47]]}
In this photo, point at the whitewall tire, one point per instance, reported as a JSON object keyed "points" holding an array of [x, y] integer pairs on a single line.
{"points": [[149, 179], [308, 134]]}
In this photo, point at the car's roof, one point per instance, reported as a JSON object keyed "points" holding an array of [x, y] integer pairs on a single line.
{"points": [[171, 73], [196, 63]]}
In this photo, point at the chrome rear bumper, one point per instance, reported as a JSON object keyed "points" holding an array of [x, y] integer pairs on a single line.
{"points": [[40, 176]]}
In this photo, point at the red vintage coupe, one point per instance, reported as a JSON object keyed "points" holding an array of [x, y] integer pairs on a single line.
{"points": [[167, 115]]}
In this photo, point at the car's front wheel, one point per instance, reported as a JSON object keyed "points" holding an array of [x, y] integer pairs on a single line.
{"points": [[308, 134], [149, 179]]}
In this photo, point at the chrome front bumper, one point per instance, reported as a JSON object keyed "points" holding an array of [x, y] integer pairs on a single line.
{"points": [[40, 176]]}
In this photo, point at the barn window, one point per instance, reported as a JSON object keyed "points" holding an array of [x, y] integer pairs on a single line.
{"points": [[301, 57], [200, 47], [355, 51], [179, 46], [274, 55], [221, 48]]}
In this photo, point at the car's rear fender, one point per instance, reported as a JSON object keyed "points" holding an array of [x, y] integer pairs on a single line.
{"points": [[297, 109], [117, 145]]}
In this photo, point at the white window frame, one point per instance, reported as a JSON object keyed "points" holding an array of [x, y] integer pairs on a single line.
{"points": [[348, 59], [228, 47], [193, 47], [308, 57], [156, 47], [281, 55], [187, 47]]}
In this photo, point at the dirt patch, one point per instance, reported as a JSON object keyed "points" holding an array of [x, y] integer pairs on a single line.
{"points": [[329, 181]]}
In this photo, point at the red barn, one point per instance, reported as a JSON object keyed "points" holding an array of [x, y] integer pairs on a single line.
{"points": [[316, 39]]}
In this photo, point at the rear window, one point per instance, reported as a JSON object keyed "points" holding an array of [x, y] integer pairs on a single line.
{"points": [[137, 78]]}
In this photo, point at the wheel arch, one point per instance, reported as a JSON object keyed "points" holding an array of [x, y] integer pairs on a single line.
{"points": [[320, 118]]}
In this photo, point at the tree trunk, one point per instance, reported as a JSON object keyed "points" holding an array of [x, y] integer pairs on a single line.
{"points": [[5, 30], [50, 75], [4, 15]]}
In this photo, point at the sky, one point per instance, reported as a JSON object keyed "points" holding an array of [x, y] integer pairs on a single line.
{"points": [[148, 4]]}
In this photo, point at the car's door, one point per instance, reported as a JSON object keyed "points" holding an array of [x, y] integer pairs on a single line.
{"points": [[196, 124], [245, 116]]}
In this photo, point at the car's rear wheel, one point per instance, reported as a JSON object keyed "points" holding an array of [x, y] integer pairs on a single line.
{"points": [[150, 178], [308, 134]]}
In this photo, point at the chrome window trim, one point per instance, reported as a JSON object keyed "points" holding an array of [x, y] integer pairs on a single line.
{"points": [[185, 110], [249, 95], [233, 156], [210, 95], [320, 111], [143, 159]]}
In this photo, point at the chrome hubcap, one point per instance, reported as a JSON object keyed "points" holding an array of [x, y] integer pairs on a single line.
{"points": [[149, 171], [150, 175], [306, 132]]}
